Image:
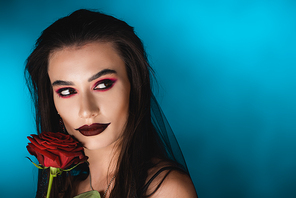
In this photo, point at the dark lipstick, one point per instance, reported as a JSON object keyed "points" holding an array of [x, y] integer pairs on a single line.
{"points": [[93, 129]]}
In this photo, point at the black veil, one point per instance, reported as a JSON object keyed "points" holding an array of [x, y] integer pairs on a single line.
{"points": [[166, 134]]}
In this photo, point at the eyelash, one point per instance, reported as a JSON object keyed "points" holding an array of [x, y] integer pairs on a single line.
{"points": [[107, 83], [68, 91]]}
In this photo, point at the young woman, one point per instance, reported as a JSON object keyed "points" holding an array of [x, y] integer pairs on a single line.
{"points": [[89, 77]]}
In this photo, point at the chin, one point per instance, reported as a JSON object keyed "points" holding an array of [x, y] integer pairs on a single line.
{"points": [[97, 142], [95, 145]]}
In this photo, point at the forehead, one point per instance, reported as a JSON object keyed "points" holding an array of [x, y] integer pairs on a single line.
{"points": [[86, 59]]}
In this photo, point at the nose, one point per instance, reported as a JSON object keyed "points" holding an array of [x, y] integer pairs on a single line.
{"points": [[88, 107]]}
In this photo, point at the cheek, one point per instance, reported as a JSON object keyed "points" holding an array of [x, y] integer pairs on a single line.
{"points": [[67, 126], [64, 105], [119, 105], [66, 111], [122, 111]]}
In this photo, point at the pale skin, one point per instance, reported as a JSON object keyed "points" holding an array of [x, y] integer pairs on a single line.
{"points": [[83, 95]]}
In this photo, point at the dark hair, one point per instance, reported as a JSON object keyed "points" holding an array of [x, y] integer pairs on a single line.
{"points": [[141, 142]]}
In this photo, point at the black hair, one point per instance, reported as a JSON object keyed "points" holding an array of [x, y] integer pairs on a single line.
{"points": [[141, 143]]}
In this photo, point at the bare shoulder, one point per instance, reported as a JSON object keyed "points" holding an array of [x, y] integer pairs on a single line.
{"points": [[173, 184], [176, 184]]}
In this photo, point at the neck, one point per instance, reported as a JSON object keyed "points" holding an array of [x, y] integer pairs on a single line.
{"points": [[102, 165]]}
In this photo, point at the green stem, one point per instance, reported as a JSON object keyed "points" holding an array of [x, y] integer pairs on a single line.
{"points": [[53, 173]]}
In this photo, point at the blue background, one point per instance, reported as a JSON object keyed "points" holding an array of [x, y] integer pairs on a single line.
{"points": [[226, 74]]}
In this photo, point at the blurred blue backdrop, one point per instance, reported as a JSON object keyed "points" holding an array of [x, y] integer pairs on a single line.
{"points": [[226, 73]]}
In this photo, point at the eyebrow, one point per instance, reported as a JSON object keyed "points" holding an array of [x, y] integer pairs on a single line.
{"points": [[102, 73], [97, 75], [61, 82]]}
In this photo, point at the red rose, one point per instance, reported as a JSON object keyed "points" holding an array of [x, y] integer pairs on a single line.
{"points": [[56, 150]]}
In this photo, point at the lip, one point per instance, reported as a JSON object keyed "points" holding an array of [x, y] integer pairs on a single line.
{"points": [[93, 129]]}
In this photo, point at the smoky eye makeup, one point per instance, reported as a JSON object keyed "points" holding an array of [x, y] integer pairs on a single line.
{"points": [[66, 92], [104, 84]]}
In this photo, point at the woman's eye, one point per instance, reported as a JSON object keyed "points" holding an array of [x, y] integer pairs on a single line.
{"points": [[104, 84], [66, 92]]}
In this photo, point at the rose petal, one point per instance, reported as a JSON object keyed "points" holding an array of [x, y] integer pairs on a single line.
{"points": [[34, 142], [56, 149]]}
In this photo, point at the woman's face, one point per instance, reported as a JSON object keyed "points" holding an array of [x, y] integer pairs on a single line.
{"points": [[91, 92]]}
